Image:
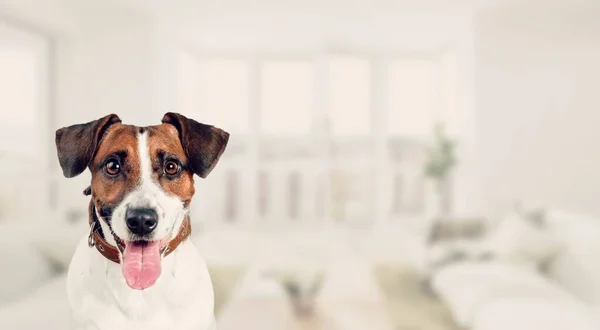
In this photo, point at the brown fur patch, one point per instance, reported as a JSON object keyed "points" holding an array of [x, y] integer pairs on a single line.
{"points": [[164, 143], [120, 141]]}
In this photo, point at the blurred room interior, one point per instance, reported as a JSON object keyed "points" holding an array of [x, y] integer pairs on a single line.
{"points": [[410, 164]]}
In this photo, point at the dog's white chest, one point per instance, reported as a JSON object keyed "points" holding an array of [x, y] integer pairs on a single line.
{"points": [[182, 298]]}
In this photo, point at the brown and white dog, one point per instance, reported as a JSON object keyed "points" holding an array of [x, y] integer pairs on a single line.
{"points": [[144, 273]]}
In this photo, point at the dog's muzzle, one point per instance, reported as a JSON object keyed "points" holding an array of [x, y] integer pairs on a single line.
{"points": [[141, 221]]}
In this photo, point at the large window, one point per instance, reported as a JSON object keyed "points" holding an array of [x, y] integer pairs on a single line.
{"points": [[323, 116], [18, 85], [224, 94], [215, 91], [25, 124], [286, 98], [21, 98], [411, 97], [349, 96], [279, 97], [450, 106]]}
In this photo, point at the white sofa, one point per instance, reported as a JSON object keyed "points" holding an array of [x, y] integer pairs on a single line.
{"points": [[510, 292], [32, 279]]}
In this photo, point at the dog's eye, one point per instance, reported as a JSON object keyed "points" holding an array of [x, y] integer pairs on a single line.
{"points": [[171, 168], [112, 167]]}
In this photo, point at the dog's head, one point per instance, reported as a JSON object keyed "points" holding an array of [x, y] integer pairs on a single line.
{"points": [[142, 181]]}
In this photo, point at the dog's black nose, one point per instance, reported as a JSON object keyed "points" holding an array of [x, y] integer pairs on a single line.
{"points": [[141, 221]]}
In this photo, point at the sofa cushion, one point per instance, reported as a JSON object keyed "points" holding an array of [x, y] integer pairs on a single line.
{"points": [[524, 239], [526, 313], [577, 268], [468, 286]]}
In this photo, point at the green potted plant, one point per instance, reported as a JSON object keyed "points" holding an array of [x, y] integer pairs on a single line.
{"points": [[439, 163]]}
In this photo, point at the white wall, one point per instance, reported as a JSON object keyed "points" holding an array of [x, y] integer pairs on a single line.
{"points": [[538, 110], [355, 29], [44, 16]]}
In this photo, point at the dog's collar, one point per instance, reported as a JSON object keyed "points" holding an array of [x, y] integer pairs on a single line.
{"points": [[112, 253]]}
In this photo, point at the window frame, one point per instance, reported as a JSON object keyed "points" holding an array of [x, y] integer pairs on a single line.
{"points": [[378, 136]]}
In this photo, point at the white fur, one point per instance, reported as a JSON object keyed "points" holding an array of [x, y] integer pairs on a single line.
{"points": [[149, 194], [181, 299]]}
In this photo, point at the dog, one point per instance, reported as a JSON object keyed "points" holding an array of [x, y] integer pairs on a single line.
{"points": [[144, 272]]}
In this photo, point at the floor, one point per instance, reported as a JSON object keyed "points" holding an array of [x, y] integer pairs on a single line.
{"points": [[355, 295], [410, 305], [225, 280]]}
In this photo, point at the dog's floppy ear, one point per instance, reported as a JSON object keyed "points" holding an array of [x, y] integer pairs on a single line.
{"points": [[203, 144], [76, 144]]}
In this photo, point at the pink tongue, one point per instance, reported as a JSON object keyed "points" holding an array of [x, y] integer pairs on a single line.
{"points": [[141, 264]]}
